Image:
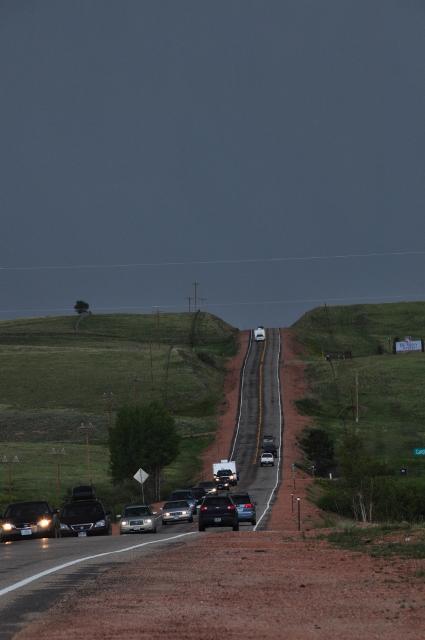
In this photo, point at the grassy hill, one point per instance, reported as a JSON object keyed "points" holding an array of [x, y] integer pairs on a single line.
{"points": [[54, 376], [391, 400]]}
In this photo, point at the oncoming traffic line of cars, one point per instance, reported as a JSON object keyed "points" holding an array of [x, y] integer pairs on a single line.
{"points": [[84, 515], [216, 509]]}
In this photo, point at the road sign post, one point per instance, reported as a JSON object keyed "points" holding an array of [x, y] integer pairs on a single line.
{"points": [[141, 476]]}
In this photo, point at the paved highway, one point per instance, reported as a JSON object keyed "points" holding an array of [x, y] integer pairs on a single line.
{"points": [[260, 414], [35, 574]]}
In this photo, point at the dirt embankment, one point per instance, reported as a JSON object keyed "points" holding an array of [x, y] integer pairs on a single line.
{"points": [[275, 584]]}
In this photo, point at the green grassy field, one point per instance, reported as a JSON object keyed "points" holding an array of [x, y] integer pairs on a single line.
{"points": [[360, 328], [391, 401], [53, 378]]}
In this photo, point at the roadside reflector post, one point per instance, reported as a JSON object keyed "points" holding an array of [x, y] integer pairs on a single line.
{"points": [[299, 513], [292, 498]]}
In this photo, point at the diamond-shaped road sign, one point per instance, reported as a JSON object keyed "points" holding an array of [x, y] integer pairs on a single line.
{"points": [[141, 476]]}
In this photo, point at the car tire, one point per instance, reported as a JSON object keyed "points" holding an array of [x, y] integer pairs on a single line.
{"points": [[261, 465], [273, 464], [253, 522], [154, 530], [164, 523], [236, 527], [190, 519], [201, 528]]}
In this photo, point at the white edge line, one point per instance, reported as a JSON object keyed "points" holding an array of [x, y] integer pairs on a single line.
{"points": [[241, 394], [280, 440], [37, 576]]}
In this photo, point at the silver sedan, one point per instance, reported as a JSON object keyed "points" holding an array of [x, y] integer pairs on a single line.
{"points": [[176, 511]]}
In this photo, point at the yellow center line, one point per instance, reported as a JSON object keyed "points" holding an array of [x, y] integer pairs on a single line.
{"points": [[260, 402], [260, 412]]}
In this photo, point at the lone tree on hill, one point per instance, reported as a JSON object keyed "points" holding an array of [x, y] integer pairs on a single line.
{"points": [[81, 307], [144, 437]]}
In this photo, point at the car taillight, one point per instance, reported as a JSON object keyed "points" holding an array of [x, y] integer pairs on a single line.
{"points": [[204, 508], [249, 505], [231, 507]]}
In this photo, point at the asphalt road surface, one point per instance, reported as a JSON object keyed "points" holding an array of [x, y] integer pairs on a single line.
{"points": [[34, 574]]}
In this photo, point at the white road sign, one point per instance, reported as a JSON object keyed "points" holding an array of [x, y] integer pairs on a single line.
{"points": [[141, 476]]}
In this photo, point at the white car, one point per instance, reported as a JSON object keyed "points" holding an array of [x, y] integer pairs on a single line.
{"points": [[267, 459]]}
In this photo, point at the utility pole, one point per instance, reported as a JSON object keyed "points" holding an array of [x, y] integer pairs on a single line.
{"points": [[151, 365], [195, 284], [58, 454], [329, 321], [159, 333], [357, 396], [329, 359], [87, 427], [9, 464], [189, 298], [136, 379], [202, 303], [108, 397]]}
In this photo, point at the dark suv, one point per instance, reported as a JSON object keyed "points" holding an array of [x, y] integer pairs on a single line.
{"points": [[31, 519], [218, 511], [200, 494], [84, 517], [270, 447]]}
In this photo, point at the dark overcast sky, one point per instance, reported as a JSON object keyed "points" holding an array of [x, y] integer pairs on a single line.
{"points": [[137, 134]]}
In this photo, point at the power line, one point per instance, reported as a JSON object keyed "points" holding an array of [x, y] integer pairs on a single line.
{"points": [[215, 262], [231, 304]]}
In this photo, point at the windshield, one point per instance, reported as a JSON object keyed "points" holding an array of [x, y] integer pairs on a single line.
{"points": [[244, 499], [176, 504], [131, 512], [27, 511], [82, 509], [178, 495], [216, 502]]}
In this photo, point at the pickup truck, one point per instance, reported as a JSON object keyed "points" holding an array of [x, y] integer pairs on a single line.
{"points": [[224, 479], [266, 460], [226, 468]]}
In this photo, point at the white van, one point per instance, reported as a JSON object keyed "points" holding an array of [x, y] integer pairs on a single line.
{"points": [[259, 334]]}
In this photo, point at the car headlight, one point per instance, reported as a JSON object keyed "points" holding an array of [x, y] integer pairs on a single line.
{"points": [[168, 514], [7, 526], [44, 523], [124, 522], [148, 521], [184, 513], [100, 523], [64, 527]]}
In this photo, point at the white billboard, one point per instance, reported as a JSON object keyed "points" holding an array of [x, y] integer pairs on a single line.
{"points": [[409, 346]]}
